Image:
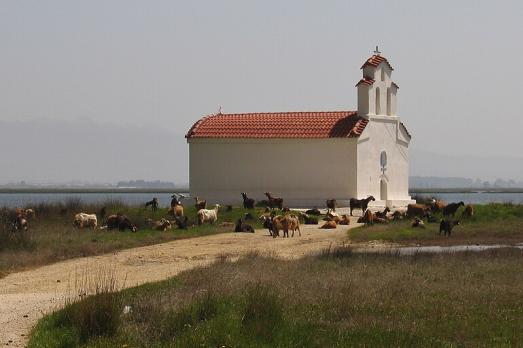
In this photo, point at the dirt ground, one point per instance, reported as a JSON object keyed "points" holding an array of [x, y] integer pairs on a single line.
{"points": [[27, 296]]}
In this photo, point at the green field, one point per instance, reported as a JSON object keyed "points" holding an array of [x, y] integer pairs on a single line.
{"points": [[491, 224], [337, 299], [52, 237]]}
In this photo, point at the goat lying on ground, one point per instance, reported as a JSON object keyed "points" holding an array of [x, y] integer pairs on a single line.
{"points": [[383, 214], [208, 215], [452, 208], [398, 215], [243, 227], [248, 203], [360, 203], [161, 225], [447, 225], [417, 222], [274, 202], [367, 218], [309, 220], [314, 211], [329, 225], [344, 220], [181, 222], [119, 221]]}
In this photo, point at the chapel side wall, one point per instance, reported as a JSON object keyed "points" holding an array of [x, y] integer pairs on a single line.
{"points": [[381, 134], [305, 172]]}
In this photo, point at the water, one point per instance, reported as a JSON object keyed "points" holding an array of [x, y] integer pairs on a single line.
{"points": [[436, 249], [477, 197], [13, 200], [25, 199]]}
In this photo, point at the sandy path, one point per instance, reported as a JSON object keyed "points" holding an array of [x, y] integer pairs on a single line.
{"points": [[26, 296]]}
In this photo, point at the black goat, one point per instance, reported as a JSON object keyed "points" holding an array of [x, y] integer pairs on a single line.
{"points": [[314, 211], [446, 226], [248, 203], [153, 203], [360, 203], [451, 208], [243, 227]]}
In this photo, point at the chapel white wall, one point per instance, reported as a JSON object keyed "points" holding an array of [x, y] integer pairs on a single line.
{"points": [[305, 172], [383, 133]]}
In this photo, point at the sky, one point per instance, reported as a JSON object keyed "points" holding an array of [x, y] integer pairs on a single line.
{"points": [[116, 71]]}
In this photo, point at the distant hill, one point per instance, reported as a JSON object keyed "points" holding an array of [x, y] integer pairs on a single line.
{"points": [[453, 169]]}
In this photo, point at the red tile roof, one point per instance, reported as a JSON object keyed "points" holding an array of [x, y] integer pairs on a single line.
{"points": [[366, 81], [325, 124], [376, 60]]}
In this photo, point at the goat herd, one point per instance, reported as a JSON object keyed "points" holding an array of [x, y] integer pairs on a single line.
{"points": [[275, 221]]}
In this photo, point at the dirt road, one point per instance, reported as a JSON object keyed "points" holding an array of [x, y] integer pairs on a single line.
{"points": [[27, 296]]}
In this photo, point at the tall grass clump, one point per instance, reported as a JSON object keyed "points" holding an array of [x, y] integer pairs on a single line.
{"points": [[263, 313], [100, 314], [175, 322]]}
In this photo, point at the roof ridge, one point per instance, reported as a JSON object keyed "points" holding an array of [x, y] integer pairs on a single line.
{"points": [[289, 124]]}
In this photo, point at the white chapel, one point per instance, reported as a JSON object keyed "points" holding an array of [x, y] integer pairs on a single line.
{"points": [[307, 157]]}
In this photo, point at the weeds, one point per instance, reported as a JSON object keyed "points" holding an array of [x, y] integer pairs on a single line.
{"points": [[52, 237], [462, 299], [262, 314]]}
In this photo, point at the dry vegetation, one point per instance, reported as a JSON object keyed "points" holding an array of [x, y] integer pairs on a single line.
{"points": [[336, 299], [52, 236]]}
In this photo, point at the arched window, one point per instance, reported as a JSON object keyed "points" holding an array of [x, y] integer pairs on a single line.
{"points": [[382, 74], [378, 101], [389, 101]]}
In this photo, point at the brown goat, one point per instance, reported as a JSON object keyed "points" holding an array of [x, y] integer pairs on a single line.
{"points": [[368, 218], [468, 212], [419, 210], [329, 225], [345, 220], [274, 201]]}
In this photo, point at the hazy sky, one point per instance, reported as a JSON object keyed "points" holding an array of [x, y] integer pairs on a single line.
{"points": [[164, 64]]}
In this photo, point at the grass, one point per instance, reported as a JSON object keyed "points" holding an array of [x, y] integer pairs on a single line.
{"points": [[491, 224], [52, 237], [339, 298]]}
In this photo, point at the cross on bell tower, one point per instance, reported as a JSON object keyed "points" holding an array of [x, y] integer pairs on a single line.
{"points": [[376, 51]]}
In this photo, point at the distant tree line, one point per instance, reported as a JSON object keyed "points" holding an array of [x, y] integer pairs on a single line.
{"points": [[457, 182], [146, 184]]}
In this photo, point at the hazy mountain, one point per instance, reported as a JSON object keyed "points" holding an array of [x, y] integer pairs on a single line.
{"points": [[85, 151], [58, 151], [430, 164]]}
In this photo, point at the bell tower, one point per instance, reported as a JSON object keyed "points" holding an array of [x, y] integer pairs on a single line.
{"points": [[377, 92]]}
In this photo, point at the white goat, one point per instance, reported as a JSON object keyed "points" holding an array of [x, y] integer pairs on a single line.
{"points": [[208, 215], [82, 220]]}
